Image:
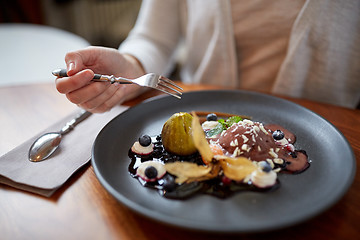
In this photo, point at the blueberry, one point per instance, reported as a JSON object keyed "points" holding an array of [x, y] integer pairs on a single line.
{"points": [[278, 135], [151, 172], [265, 166], [158, 138], [145, 140], [211, 117], [169, 183]]}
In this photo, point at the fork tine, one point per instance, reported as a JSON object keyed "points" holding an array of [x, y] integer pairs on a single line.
{"points": [[170, 88], [167, 92], [162, 78], [166, 85]]}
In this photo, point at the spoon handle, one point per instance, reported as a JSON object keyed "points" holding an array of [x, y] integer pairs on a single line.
{"points": [[82, 115]]}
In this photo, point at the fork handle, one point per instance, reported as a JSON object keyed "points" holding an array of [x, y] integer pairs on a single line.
{"points": [[62, 72]]}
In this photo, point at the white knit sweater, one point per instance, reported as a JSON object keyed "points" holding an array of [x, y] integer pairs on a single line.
{"points": [[322, 61]]}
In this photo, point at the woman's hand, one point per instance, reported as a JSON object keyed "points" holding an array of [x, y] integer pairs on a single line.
{"points": [[98, 97]]}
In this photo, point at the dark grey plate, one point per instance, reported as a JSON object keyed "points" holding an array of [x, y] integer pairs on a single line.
{"points": [[299, 198]]}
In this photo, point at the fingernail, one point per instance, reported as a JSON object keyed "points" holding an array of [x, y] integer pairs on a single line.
{"points": [[71, 67]]}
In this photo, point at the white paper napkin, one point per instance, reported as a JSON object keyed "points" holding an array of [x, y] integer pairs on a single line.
{"points": [[46, 177]]}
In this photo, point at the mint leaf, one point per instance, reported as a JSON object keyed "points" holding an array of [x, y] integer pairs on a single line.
{"points": [[215, 131], [223, 125], [231, 120]]}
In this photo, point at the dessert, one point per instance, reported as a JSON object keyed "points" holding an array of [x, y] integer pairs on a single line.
{"points": [[219, 156]]}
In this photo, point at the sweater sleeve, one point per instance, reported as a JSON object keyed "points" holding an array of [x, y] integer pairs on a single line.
{"points": [[154, 38]]}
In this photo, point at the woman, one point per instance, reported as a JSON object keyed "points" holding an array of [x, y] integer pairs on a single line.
{"points": [[302, 48]]}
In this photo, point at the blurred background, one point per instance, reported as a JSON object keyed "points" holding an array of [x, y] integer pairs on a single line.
{"points": [[100, 22], [35, 35]]}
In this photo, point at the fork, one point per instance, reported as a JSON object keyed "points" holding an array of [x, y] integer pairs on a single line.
{"points": [[151, 80]]}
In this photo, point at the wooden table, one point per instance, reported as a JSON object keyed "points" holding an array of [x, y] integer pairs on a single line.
{"points": [[82, 208]]}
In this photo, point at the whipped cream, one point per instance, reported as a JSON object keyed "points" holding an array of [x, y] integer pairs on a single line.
{"points": [[263, 179], [137, 148], [160, 169], [208, 125]]}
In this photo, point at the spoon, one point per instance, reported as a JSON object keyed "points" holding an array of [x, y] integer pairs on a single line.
{"points": [[46, 144]]}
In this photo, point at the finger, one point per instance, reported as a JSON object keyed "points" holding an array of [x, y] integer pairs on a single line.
{"points": [[104, 102], [69, 84], [89, 93], [74, 62], [100, 100], [116, 98], [81, 59]]}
